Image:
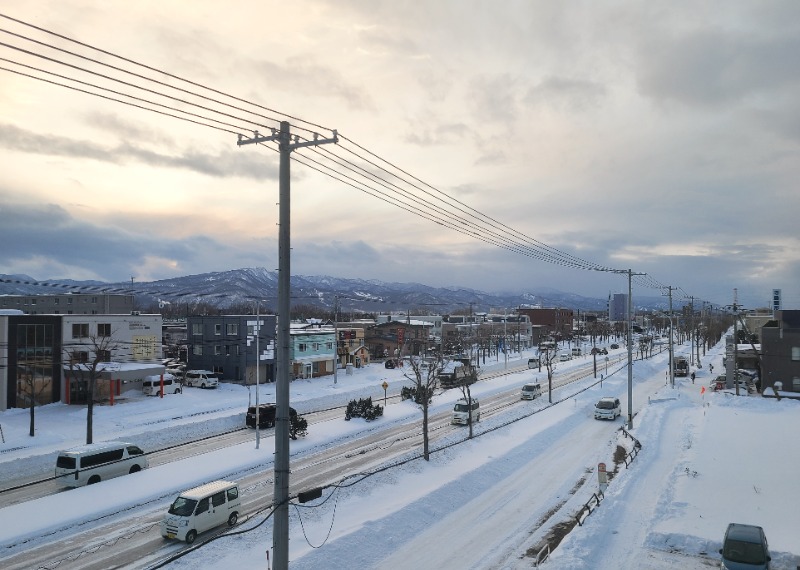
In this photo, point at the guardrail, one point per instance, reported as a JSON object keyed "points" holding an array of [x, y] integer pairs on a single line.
{"points": [[588, 507], [545, 551], [637, 446]]}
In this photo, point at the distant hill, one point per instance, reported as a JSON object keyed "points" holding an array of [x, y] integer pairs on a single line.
{"points": [[227, 288]]}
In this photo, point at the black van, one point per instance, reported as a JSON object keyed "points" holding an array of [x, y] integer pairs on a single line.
{"points": [[266, 416]]}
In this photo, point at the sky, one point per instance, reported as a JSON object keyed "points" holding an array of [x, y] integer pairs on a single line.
{"points": [[654, 136], [669, 509]]}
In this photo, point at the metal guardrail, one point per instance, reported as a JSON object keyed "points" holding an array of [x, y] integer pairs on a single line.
{"points": [[589, 507], [545, 551]]}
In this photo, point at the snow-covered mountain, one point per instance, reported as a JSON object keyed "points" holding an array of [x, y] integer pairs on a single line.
{"points": [[226, 288]]}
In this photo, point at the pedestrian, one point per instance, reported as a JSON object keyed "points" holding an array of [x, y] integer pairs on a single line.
{"points": [[692, 377], [711, 368]]}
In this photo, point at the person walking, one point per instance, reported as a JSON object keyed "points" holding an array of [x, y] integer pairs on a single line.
{"points": [[692, 377], [711, 368]]}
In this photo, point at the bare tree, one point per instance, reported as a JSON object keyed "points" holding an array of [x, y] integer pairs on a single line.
{"points": [[425, 377], [85, 365], [32, 387], [547, 357]]}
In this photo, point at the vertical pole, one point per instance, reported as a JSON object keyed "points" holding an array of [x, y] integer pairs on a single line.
{"points": [[258, 370], [671, 346], [735, 342], [335, 339], [630, 349], [280, 532]]}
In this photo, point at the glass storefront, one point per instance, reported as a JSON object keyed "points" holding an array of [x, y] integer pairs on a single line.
{"points": [[34, 364]]}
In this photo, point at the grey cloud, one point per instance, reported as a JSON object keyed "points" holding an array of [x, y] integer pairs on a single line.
{"points": [[439, 135], [127, 129], [255, 165], [300, 74], [566, 93], [494, 98], [712, 67]]}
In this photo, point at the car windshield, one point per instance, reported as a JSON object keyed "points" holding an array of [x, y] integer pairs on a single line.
{"points": [[529, 388], [605, 405], [462, 408], [744, 552], [182, 507]]}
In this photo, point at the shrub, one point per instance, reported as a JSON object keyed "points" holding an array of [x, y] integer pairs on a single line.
{"points": [[363, 408]]}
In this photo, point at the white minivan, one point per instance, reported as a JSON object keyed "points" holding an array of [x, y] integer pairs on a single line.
{"points": [[90, 464], [462, 412], [202, 378], [200, 509], [152, 385], [531, 391]]}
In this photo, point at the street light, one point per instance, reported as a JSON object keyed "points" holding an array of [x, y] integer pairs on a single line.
{"points": [[671, 350]]}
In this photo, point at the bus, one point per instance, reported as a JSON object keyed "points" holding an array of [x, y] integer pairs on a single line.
{"points": [[90, 464], [681, 366]]}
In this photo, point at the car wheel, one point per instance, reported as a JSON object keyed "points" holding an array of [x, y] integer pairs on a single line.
{"points": [[233, 518], [202, 386], [190, 536], [134, 469], [93, 479]]}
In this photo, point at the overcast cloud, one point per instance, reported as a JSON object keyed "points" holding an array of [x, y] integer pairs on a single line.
{"points": [[657, 136]]}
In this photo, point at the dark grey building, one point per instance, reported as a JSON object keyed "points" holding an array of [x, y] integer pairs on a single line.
{"points": [[69, 304], [780, 351], [226, 344]]}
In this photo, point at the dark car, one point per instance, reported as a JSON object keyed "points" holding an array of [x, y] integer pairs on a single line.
{"points": [[266, 416], [745, 548], [390, 364], [615, 345]]}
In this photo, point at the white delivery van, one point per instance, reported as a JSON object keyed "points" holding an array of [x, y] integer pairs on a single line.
{"points": [[200, 509], [531, 391], [152, 385], [202, 378], [534, 362], [461, 411], [576, 351], [90, 464]]}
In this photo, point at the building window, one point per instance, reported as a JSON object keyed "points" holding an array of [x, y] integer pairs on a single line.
{"points": [[302, 347], [236, 350], [197, 350], [796, 384], [69, 301], [251, 330], [103, 329], [104, 355], [315, 347], [79, 357], [232, 329], [218, 329], [56, 301], [94, 300], [328, 346], [80, 330], [197, 329], [217, 350], [796, 353]]}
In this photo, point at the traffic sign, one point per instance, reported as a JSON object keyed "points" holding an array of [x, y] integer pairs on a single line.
{"points": [[385, 385]]}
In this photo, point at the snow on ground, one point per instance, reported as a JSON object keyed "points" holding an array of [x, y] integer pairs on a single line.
{"points": [[706, 460]]}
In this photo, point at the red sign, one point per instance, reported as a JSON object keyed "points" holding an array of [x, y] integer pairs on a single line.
{"points": [[601, 467], [401, 333]]}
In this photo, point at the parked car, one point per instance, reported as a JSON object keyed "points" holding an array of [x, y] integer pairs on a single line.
{"points": [[745, 548], [607, 409], [614, 346], [202, 378], [266, 416], [390, 364], [151, 386]]}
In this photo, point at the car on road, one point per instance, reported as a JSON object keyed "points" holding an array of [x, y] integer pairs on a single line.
{"points": [[607, 409], [745, 548], [531, 391], [565, 356], [462, 412], [614, 346], [266, 416]]}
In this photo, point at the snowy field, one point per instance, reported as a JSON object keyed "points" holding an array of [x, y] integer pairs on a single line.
{"points": [[706, 459]]}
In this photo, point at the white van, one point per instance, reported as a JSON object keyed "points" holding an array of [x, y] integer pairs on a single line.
{"points": [[534, 362], [531, 391], [90, 464], [200, 509], [462, 412], [152, 385], [576, 351], [202, 378]]}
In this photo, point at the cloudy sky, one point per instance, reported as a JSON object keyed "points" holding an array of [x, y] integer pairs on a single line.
{"points": [[656, 136]]}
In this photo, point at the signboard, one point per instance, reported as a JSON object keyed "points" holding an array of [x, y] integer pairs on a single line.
{"points": [[401, 335], [385, 385], [602, 475]]}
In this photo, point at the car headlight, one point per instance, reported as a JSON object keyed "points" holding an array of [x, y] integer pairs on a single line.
{"points": [[183, 522]]}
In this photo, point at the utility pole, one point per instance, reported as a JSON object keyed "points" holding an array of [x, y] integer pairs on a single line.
{"points": [[286, 144], [691, 331], [335, 339], [736, 340]]}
